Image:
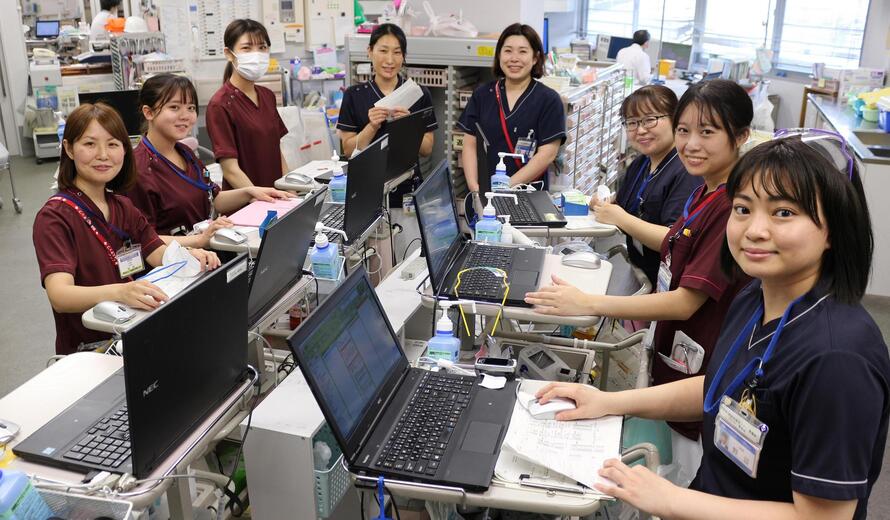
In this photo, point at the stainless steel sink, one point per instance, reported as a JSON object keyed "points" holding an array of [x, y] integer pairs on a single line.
{"points": [[873, 138]]}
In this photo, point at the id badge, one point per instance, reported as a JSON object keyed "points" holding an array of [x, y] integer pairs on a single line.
{"points": [[526, 147], [129, 260], [739, 435]]}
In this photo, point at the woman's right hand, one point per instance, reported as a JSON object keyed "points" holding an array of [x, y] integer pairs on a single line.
{"points": [[377, 116], [590, 402], [141, 295], [215, 225]]}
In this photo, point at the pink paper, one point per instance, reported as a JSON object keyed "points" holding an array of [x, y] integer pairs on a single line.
{"points": [[255, 213]]}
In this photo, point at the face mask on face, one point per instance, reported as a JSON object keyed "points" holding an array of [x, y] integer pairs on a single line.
{"points": [[252, 65]]}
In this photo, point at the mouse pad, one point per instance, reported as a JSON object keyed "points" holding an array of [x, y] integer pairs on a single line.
{"points": [[592, 281]]}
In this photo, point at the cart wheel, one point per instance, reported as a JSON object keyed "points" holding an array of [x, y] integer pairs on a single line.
{"points": [[39, 161], [17, 204]]}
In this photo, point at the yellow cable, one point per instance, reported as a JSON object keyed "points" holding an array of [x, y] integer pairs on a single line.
{"points": [[503, 301]]}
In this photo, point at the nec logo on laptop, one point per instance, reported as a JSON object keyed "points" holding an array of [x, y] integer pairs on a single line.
{"points": [[151, 388]]}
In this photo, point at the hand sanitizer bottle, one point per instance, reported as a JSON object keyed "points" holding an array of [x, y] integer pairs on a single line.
{"points": [[488, 228], [444, 345], [338, 184], [500, 180], [324, 258]]}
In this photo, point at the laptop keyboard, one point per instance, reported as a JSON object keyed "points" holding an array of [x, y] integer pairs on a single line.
{"points": [[418, 442], [520, 214], [481, 283], [106, 443], [334, 219]]}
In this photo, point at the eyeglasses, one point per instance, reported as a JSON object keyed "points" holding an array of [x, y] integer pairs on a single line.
{"points": [[646, 122], [830, 145]]}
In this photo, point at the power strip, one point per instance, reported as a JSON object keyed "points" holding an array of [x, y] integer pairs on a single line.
{"points": [[414, 269]]}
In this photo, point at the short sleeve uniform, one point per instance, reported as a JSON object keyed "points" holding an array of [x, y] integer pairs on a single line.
{"points": [[824, 394], [248, 132], [660, 202], [538, 112], [695, 264], [64, 243], [171, 204], [359, 99]]}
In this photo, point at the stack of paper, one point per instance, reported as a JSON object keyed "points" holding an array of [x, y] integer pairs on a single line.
{"points": [[560, 452], [404, 96]]}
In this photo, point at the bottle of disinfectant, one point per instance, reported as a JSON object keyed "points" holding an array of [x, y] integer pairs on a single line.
{"points": [[18, 498], [488, 228], [444, 345], [500, 180], [324, 258], [506, 230], [338, 184]]}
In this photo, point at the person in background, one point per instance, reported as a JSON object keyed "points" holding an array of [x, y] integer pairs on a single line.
{"points": [[173, 188], [798, 357], [242, 117], [635, 59], [517, 113], [360, 122], [108, 11], [656, 183], [89, 239], [692, 296]]}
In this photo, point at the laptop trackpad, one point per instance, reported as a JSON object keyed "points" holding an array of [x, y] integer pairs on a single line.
{"points": [[523, 278], [481, 437]]}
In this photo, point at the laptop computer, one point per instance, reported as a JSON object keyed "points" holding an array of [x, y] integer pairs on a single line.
{"points": [[388, 418], [405, 136], [180, 363], [364, 194], [448, 253], [281, 256], [531, 208]]}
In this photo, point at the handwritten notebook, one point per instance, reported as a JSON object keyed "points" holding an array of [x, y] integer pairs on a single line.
{"points": [[254, 213]]}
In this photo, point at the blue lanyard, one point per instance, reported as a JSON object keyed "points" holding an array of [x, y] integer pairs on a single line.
{"points": [[107, 225], [183, 175], [755, 365], [634, 203]]}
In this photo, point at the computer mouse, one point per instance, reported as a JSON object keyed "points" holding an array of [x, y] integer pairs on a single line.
{"points": [[551, 408], [8, 431], [298, 178], [583, 259], [113, 312], [232, 235]]}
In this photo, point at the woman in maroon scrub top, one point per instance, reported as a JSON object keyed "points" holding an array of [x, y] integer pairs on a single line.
{"points": [[173, 188], [89, 240], [242, 119]]}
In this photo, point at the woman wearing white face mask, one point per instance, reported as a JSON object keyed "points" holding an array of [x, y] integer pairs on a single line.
{"points": [[242, 118]]}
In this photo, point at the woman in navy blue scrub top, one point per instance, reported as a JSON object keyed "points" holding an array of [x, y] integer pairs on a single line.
{"points": [[517, 113], [795, 399], [656, 184], [360, 122]]}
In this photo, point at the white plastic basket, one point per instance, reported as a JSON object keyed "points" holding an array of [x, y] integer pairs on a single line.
{"points": [[330, 486], [80, 507], [429, 77]]}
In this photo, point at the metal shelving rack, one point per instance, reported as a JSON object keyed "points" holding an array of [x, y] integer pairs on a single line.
{"points": [[127, 45]]}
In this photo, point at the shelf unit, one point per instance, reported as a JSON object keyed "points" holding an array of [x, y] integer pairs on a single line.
{"points": [[452, 67]]}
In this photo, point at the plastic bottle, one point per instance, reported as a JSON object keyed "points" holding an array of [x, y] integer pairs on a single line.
{"points": [[500, 180], [338, 184], [324, 258], [444, 345], [60, 130], [18, 498], [488, 228], [506, 230], [321, 454]]}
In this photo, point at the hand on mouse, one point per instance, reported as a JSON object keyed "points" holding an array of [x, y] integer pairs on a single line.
{"points": [[219, 223], [561, 299], [140, 294], [590, 402]]}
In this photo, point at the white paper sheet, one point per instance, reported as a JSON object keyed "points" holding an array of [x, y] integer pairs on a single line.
{"points": [[584, 222], [404, 96]]}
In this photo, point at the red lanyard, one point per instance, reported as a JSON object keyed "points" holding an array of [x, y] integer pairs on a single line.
{"points": [[102, 240], [497, 93]]}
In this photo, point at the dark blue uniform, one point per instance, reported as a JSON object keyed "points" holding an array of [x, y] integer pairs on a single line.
{"points": [[359, 99], [539, 108], [824, 397], [662, 201]]}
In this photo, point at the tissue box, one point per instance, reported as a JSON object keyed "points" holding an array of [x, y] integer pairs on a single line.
{"points": [[574, 204]]}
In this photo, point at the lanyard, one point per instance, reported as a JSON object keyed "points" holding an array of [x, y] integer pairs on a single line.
{"points": [[755, 365], [78, 204], [689, 219], [183, 175], [82, 210], [497, 93]]}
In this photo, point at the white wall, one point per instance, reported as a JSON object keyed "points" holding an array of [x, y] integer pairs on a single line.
{"points": [[15, 68]]}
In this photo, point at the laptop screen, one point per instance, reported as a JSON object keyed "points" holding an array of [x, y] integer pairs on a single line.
{"points": [[348, 353], [406, 134], [124, 101], [438, 221]]}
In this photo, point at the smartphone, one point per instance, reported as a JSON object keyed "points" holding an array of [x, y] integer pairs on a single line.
{"points": [[497, 365]]}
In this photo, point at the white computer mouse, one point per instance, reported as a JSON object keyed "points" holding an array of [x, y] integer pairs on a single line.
{"points": [[584, 259], [113, 312], [232, 235], [8, 431], [299, 178], [551, 408]]}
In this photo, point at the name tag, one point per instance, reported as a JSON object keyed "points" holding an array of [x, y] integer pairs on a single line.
{"points": [[129, 260], [739, 435]]}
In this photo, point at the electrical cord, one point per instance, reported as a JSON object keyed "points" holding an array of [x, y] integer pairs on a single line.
{"points": [[233, 498], [408, 247], [310, 274], [500, 273], [271, 352], [392, 500]]}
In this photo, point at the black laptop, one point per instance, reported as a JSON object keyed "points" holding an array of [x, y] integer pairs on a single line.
{"points": [[282, 254], [405, 135], [180, 363], [448, 252], [390, 419], [364, 194], [531, 208]]}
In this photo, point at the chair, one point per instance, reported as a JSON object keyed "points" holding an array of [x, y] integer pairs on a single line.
{"points": [[6, 165]]}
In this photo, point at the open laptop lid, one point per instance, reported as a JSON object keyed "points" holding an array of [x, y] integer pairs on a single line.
{"points": [[282, 253], [183, 360], [437, 219], [405, 135], [364, 188], [352, 360]]}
